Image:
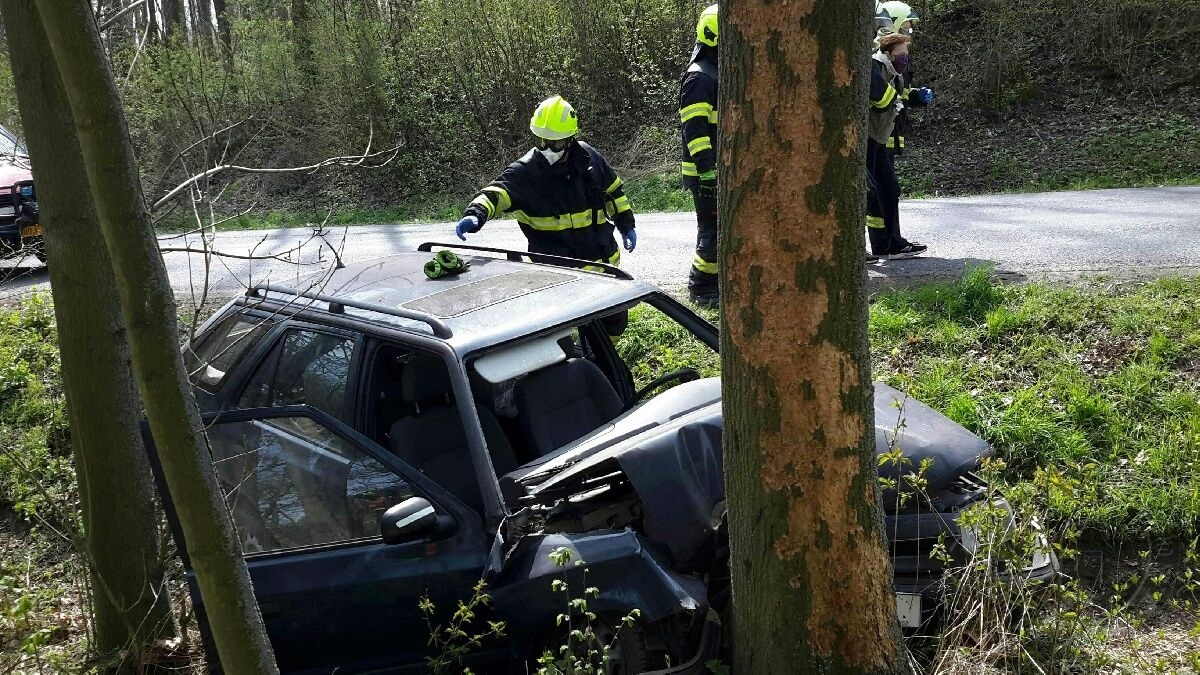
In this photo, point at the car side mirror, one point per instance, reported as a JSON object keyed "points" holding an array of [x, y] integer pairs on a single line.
{"points": [[410, 520]]}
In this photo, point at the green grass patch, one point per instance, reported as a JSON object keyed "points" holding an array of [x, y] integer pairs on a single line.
{"points": [[37, 478], [1102, 387]]}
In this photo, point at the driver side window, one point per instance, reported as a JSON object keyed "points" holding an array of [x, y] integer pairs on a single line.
{"points": [[292, 482]]}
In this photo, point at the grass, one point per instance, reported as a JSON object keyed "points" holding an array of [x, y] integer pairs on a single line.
{"points": [[1102, 388]]}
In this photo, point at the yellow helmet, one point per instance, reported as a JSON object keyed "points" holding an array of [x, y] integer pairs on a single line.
{"points": [[554, 120], [706, 28]]}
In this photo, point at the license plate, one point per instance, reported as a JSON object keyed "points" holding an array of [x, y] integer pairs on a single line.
{"points": [[908, 609], [31, 231]]}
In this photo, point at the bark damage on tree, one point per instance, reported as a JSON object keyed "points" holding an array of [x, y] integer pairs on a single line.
{"points": [[808, 552]]}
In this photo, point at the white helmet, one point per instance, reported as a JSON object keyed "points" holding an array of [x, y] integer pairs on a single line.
{"points": [[903, 17]]}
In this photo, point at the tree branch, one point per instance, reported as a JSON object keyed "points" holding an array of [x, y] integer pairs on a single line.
{"points": [[117, 17], [345, 160]]}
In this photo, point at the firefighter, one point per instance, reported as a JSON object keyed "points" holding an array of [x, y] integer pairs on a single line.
{"points": [[902, 20], [698, 117], [883, 199], [563, 193]]}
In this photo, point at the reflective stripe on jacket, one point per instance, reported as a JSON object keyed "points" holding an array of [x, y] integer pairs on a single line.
{"points": [[698, 119], [566, 209], [885, 97]]}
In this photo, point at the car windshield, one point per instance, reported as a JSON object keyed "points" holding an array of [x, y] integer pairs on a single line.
{"points": [[10, 144], [549, 391]]}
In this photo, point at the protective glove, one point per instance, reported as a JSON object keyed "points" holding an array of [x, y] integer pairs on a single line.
{"points": [[467, 224], [708, 184], [924, 95], [630, 239]]}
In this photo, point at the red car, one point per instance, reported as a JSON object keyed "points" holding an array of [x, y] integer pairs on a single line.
{"points": [[20, 228]]}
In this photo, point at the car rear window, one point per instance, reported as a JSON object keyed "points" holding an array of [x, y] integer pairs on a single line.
{"points": [[209, 362]]}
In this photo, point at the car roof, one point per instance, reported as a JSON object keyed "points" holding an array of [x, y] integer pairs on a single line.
{"points": [[495, 300]]}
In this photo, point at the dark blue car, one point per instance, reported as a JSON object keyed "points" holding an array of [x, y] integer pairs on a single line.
{"points": [[382, 437]]}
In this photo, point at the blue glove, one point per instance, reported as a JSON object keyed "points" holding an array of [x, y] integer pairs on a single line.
{"points": [[925, 95], [467, 224], [630, 238]]}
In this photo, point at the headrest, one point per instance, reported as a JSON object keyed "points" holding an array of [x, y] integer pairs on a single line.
{"points": [[424, 378]]}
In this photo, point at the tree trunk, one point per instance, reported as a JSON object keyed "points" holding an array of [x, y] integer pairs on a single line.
{"points": [[302, 38], [224, 34], [173, 18], [151, 318], [812, 585], [204, 20], [130, 606]]}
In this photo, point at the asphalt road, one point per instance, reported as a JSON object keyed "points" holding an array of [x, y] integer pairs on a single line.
{"points": [[1128, 233]]}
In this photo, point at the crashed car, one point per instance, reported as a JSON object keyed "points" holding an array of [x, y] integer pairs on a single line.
{"points": [[384, 437], [20, 229]]}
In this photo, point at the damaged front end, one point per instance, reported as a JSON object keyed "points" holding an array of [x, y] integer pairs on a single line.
{"points": [[650, 487]]}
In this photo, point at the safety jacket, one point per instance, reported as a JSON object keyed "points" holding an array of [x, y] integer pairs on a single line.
{"points": [[698, 115], [886, 100], [895, 142], [563, 209]]}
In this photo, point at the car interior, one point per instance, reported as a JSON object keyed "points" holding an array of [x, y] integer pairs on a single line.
{"points": [[524, 417]]}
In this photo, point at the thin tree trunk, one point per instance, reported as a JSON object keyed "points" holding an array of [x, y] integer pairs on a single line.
{"points": [[224, 34], [302, 38], [812, 585], [204, 20], [173, 18], [150, 314], [130, 606]]}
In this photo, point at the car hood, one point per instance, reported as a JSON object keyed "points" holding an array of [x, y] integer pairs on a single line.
{"points": [[670, 451], [11, 174]]}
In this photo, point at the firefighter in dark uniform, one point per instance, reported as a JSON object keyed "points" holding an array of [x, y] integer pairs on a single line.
{"points": [[883, 198], [698, 115], [563, 193], [902, 19]]}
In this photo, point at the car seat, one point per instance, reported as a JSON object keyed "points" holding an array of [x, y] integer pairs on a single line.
{"points": [[433, 440], [563, 403]]}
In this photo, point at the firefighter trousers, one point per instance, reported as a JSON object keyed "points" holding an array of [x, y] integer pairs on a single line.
{"points": [[883, 201], [702, 279]]}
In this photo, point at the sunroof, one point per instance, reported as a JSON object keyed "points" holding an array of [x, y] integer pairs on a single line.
{"points": [[467, 298]]}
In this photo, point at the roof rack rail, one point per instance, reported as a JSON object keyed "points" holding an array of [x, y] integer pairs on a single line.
{"points": [[545, 258], [339, 305]]}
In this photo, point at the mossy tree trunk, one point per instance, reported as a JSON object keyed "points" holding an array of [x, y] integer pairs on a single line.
{"points": [[130, 605], [812, 587], [151, 318]]}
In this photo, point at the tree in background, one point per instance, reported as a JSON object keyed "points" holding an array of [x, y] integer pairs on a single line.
{"points": [[129, 602], [812, 588], [150, 317]]}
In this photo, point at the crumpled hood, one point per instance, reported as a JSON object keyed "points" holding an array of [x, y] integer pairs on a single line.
{"points": [[924, 433], [670, 450]]}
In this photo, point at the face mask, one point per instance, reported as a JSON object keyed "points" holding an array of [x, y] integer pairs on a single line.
{"points": [[900, 63], [552, 156]]}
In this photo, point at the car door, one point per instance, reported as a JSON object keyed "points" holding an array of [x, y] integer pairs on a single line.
{"points": [[306, 493]]}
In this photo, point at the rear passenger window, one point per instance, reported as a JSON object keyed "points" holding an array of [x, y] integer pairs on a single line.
{"points": [[208, 363], [307, 368]]}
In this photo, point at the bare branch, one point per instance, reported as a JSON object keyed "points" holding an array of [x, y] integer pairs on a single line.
{"points": [[345, 160], [117, 17]]}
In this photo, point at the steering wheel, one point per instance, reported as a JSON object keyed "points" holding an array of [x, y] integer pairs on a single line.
{"points": [[683, 375]]}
